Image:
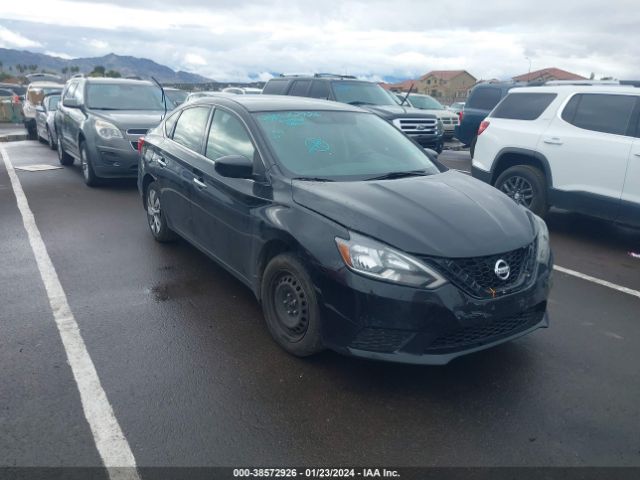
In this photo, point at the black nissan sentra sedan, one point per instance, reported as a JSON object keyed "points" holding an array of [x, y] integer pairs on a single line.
{"points": [[349, 235]]}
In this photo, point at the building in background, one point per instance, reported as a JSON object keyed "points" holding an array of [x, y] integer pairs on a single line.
{"points": [[447, 86], [547, 74]]}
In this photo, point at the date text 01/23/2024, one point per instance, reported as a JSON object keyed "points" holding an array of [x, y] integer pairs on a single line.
{"points": [[315, 473]]}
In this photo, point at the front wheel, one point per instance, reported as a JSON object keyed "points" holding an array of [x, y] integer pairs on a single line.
{"points": [[50, 140], [525, 185], [88, 174], [290, 306]]}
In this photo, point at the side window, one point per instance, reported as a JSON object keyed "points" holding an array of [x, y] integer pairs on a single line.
{"points": [[228, 136], [70, 91], [320, 90], [170, 122], [190, 127], [523, 106], [600, 112], [484, 98], [276, 87], [300, 88], [78, 93]]}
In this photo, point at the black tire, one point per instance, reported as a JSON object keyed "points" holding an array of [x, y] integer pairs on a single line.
{"points": [[439, 148], [290, 306], [32, 133], [472, 146], [155, 217], [50, 140], [63, 157], [527, 186], [88, 174]]}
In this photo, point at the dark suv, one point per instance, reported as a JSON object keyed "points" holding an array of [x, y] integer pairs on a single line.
{"points": [[482, 99], [424, 128], [99, 122]]}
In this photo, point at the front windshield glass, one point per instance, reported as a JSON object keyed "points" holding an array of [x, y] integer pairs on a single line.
{"points": [[340, 145], [112, 96], [361, 93], [425, 102]]}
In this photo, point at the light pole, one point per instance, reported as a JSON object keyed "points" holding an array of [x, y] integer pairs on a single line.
{"points": [[528, 74]]}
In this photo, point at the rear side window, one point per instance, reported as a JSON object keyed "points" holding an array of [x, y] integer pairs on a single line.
{"points": [[275, 87], [320, 90], [228, 136], [484, 98], [190, 127], [170, 122], [600, 112], [523, 106], [300, 88]]}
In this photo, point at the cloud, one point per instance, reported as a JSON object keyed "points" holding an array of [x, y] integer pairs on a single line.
{"points": [[237, 40], [9, 39], [59, 55]]}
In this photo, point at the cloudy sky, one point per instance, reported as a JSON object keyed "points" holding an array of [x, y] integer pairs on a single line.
{"points": [[242, 39]]}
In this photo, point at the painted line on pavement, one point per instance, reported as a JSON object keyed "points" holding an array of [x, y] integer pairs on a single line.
{"points": [[598, 281], [107, 434]]}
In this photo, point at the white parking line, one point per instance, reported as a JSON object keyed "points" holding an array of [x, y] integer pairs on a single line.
{"points": [[109, 439], [604, 283]]}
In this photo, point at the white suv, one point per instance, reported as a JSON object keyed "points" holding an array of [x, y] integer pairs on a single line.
{"points": [[573, 147]]}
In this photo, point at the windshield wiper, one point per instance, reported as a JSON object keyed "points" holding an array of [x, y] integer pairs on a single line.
{"points": [[104, 108], [358, 102], [313, 179], [407, 173]]}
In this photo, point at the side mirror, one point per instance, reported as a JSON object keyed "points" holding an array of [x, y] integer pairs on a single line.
{"points": [[40, 108], [71, 103], [234, 166]]}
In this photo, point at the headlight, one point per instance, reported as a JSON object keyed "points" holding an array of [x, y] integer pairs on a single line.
{"points": [[374, 259], [544, 250], [440, 126], [107, 130]]}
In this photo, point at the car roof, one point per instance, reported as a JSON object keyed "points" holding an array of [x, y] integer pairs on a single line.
{"points": [[270, 103], [121, 81], [620, 89]]}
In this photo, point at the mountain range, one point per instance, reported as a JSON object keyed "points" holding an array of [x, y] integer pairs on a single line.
{"points": [[126, 65]]}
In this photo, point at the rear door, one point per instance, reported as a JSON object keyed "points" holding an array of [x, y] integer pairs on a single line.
{"points": [[222, 206], [630, 205], [480, 103], [64, 115], [175, 165], [588, 145]]}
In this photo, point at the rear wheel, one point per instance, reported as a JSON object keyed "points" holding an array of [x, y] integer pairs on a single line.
{"points": [[290, 306], [525, 185], [88, 174], [51, 140], [155, 216], [63, 157]]}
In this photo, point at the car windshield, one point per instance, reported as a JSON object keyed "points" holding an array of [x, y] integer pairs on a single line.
{"points": [[106, 96], [328, 145], [425, 102], [361, 93]]}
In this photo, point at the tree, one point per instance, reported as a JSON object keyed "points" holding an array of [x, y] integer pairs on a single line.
{"points": [[98, 71], [592, 76], [33, 68], [0, 66], [74, 69], [113, 74]]}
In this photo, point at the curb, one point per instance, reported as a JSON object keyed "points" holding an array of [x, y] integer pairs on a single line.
{"points": [[13, 138]]}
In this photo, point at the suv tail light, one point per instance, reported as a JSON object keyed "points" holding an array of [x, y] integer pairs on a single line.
{"points": [[483, 126], [460, 115], [15, 100], [140, 144]]}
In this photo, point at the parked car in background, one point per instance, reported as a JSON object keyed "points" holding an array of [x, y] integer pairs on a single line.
{"points": [[176, 96], [342, 228], [45, 115], [99, 122], [10, 106], [33, 97], [424, 128], [456, 107], [242, 90], [429, 104], [482, 99], [573, 147]]}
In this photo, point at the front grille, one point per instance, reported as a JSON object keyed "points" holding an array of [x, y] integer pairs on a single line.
{"points": [[477, 276], [416, 126], [468, 337], [450, 121], [380, 339], [137, 131]]}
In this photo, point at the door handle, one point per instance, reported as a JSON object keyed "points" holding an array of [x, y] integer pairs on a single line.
{"points": [[552, 141], [199, 183], [161, 161]]}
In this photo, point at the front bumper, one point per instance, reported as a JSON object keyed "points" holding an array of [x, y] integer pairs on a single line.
{"points": [[117, 161], [383, 321], [428, 140], [480, 174]]}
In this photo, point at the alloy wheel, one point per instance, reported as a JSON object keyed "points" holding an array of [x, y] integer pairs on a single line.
{"points": [[154, 212], [84, 164], [519, 189]]}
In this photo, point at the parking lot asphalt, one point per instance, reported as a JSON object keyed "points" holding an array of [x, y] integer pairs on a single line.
{"points": [[194, 378]]}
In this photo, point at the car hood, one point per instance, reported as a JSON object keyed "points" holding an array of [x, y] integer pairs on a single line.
{"points": [[445, 215], [390, 112], [125, 119]]}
